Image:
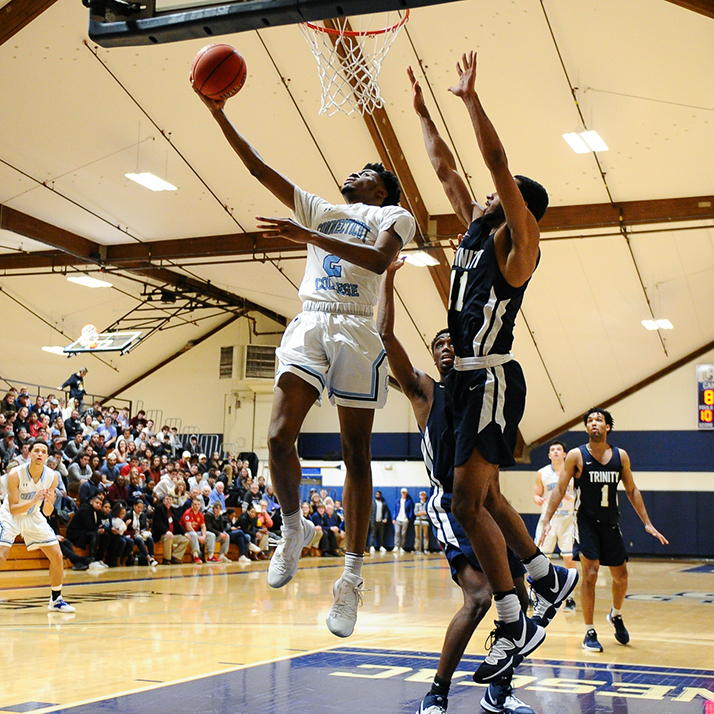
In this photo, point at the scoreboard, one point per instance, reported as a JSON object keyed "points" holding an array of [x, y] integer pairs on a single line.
{"points": [[705, 392]]}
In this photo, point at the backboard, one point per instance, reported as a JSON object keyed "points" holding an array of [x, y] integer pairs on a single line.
{"points": [[105, 342]]}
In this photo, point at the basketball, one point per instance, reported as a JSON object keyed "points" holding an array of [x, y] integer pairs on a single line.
{"points": [[218, 71]]}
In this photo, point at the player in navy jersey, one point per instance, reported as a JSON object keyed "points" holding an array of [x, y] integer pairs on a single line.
{"points": [[491, 270], [597, 468], [427, 399]]}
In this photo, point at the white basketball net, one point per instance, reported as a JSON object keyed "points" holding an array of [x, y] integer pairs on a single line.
{"points": [[349, 59]]}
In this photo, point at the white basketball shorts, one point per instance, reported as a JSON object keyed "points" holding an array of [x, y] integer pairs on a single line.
{"points": [[561, 533], [342, 353], [34, 529]]}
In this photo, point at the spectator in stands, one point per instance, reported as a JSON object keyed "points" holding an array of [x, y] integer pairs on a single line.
{"points": [[95, 463], [265, 522], [378, 522], [165, 485], [248, 523], [125, 436], [193, 447], [311, 549], [121, 453], [181, 495], [334, 523], [122, 419], [205, 496], [163, 446], [315, 501], [138, 422], [110, 468], [33, 424], [328, 541], [75, 382], [238, 537], [8, 403], [118, 491], [37, 407], [203, 463], [108, 430], [194, 525], [217, 524], [23, 399], [122, 546], [73, 425], [8, 448], [74, 447], [403, 516], [195, 480], [21, 421], [60, 468], [166, 529], [99, 448], [340, 511], [88, 425], [155, 469], [55, 408], [91, 487], [217, 495], [136, 491], [58, 428], [79, 471], [175, 441], [137, 528], [215, 461], [132, 463], [251, 497], [421, 524], [85, 530]]}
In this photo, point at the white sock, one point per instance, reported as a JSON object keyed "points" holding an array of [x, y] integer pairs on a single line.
{"points": [[615, 612], [538, 567], [508, 608], [292, 520], [353, 564]]}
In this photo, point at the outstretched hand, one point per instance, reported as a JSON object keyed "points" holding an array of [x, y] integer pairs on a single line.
{"points": [[467, 75], [395, 265], [456, 243], [546, 529], [417, 95], [287, 228], [654, 532], [215, 105]]}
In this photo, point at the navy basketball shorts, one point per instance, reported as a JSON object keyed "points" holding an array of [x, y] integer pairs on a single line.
{"points": [[487, 406], [598, 541]]}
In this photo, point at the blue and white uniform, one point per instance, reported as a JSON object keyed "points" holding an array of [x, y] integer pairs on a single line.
{"points": [[561, 525], [31, 525], [333, 343], [437, 447], [487, 388]]}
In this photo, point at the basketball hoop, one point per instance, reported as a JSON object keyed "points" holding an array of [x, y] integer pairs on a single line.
{"points": [[349, 60], [89, 337]]}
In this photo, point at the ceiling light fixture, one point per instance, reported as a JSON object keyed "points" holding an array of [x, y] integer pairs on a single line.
{"points": [[421, 259], [88, 282], [585, 142], [658, 324], [54, 349], [148, 180]]}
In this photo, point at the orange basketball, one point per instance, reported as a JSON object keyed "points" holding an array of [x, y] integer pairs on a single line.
{"points": [[218, 71]]}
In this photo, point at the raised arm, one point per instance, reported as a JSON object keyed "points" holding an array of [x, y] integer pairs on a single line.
{"points": [[281, 187], [571, 468], [633, 493], [539, 490], [417, 386], [443, 160], [522, 255]]}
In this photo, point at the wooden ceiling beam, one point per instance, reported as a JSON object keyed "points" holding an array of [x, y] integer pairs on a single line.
{"points": [[607, 215], [703, 7], [18, 14]]}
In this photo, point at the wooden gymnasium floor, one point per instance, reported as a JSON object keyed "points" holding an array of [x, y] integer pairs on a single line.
{"points": [[215, 638]]}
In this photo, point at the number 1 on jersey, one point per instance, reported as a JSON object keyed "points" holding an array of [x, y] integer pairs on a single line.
{"points": [[605, 501], [459, 304]]}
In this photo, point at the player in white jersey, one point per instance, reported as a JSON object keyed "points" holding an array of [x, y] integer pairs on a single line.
{"points": [[31, 496], [333, 344], [561, 531]]}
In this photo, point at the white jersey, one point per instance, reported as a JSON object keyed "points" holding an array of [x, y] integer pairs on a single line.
{"points": [[550, 479], [28, 489], [329, 278]]}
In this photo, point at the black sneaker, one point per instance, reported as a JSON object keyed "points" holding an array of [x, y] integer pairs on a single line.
{"points": [[569, 605], [433, 704], [590, 642], [508, 644], [79, 565], [499, 699], [621, 633], [551, 592]]}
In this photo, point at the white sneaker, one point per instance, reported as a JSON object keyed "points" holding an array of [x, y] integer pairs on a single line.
{"points": [[382, 550], [225, 559], [244, 559], [348, 597], [253, 548], [59, 605], [371, 550], [102, 564], [95, 565], [153, 563], [284, 563]]}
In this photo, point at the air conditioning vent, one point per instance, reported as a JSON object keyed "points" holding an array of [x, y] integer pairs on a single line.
{"points": [[225, 369], [259, 362]]}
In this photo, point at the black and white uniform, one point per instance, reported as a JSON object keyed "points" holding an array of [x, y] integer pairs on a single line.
{"points": [[596, 533], [486, 388], [437, 448], [31, 525]]}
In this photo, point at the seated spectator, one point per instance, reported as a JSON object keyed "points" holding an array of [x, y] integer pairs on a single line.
{"points": [[217, 496], [91, 487], [122, 419], [33, 424], [74, 447], [196, 478], [215, 461], [252, 497], [120, 453], [108, 430], [88, 425], [334, 524], [315, 501], [165, 485], [155, 469], [99, 448], [217, 524], [118, 491], [21, 421], [110, 470], [60, 468], [240, 538], [181, 496], [205, 497], [137, 528], [149, 491], [261, 484], [85, 530], [79, 471], [163, 446], [248, 523], [73, 425], [328, 542], [313, 548], [136, 490], [23, 457], [8, 449], [193, 447], [132, 463], [8, 403], [340, 511], [57, 428], [194, 525], [202, 463], [166, 529], [122, 546]]}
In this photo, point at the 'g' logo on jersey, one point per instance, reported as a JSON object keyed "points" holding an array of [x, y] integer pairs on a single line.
{"points": [[331, 267]]}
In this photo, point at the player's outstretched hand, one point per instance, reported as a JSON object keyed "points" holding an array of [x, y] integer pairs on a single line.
{"points": [[546, 529], [467, 75], [284, 228], [654, 532], [215, 105], [417, 95], [456, 243], [396, 264]]}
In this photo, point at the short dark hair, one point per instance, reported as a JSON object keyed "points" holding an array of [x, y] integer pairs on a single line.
{"points": [[444, 331], [534, 194], [555, 442], [391, 184], [599, 410], [40, 442]]}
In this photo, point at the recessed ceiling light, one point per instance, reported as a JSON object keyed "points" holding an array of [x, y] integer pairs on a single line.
{"points": [[88, 282], [54, 349], [148, 180], [576, 143], [593, 140], [585, 142], [658, 324], [421, 259]]}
